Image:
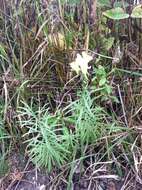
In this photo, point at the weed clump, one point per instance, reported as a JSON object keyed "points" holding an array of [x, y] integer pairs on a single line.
{"points": [[70, 84]]}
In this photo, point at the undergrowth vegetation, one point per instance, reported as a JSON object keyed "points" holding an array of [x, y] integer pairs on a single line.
{"points": [[70, 84]]}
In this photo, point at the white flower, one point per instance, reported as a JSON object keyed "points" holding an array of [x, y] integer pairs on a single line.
{"points": [[81, 63]]}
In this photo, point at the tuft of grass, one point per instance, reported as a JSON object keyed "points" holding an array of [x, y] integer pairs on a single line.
{"points": [[46, 140], [38, 40], [4, 167], [52, 137]]}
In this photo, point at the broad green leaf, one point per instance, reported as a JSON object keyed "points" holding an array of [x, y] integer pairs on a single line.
{"points": [[116, 14], [137, 12]]}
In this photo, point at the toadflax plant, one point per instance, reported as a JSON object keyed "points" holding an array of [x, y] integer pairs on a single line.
{"points": [[46, 144]]}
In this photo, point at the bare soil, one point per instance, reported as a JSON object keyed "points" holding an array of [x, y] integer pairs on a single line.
{"points": [[23, 175]]}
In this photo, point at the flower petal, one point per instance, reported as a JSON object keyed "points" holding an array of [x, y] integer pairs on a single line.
{"points": [[87, 57], [75, 67], [81, 63]]}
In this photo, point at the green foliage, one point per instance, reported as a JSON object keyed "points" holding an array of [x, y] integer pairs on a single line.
{"points": [[108, 43], [47, 141], [87, 119], [52, 137], [116, 14], [3, 165], [101, 84], [137, 12], [70, 2], [4, 137], [38, 41], [102, 3], [3, 53]]}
